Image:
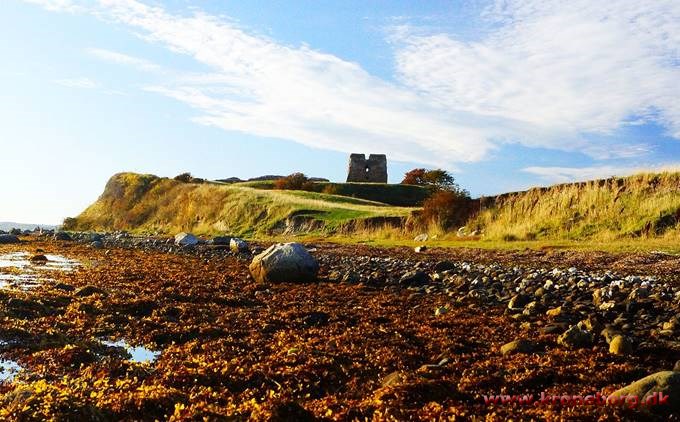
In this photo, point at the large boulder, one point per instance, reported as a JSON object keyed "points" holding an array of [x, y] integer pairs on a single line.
{"points": [[661, 388], [284, 262], [185, 239], [8, 238]]}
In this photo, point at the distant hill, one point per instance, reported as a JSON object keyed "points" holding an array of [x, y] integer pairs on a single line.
{"points": [[6, 226], [147, 203]]}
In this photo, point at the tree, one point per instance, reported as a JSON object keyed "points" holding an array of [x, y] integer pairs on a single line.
{"points": [[435, 179], [414, 177]]}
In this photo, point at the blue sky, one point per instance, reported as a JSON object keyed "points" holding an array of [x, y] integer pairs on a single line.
{"points": [[505, 94]]}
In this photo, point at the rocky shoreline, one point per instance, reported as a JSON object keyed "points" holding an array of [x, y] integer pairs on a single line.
{"points": [[624, 326]]}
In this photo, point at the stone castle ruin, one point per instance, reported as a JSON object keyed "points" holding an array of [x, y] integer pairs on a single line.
{"points": [[373, 170]]}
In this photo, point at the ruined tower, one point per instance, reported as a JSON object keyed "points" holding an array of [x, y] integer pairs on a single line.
{"points": [[373, 170]]}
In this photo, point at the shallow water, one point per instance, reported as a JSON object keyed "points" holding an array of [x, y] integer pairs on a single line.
{"points": [[17, 271], [139, 354], [8, 370]]}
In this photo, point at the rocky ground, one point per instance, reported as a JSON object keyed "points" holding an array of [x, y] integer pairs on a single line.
{"points": [[385, 334]]}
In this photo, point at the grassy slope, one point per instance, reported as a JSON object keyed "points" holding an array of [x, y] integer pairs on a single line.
{"points": [[640, 206], [146, 203], [397, 195]]}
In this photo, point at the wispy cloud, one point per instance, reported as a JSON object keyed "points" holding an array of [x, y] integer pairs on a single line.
{"points": [[555, 70], [124, 59], [84, 83], [551, 74], [58, 5], [571, 174]]}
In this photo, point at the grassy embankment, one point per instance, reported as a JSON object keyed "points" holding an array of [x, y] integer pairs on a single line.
{"points": [[636, 213], [149, 204]]}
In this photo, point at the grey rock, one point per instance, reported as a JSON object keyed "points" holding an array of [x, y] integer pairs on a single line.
{"points": [[220, 240], [185, 239], [620, 345], [415, 278], [517, 346], [518, 301], [239, 245], [444, 266], [284, 262], [575, 338], [8, 238], [97, 244], [62, 236]]}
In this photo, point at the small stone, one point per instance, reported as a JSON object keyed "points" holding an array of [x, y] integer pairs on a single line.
{"points": [[441, 310], [238, 245], [620, 345], [609, 333], [518, 301], [442, 266], [97, 244], [555, 312], [185, 239], [415, 278], [517, 346], [39, 258], [221, 240], [421, 237], [62, 236], [419, 249], [575, 338]]}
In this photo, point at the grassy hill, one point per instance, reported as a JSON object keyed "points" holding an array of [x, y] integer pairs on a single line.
{"points": [[644, 205], [147, 203], [397, 195]]}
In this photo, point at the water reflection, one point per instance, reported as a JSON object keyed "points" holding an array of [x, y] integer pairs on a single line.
{"points": [[19, 271], [139, 354], [8, 370]]}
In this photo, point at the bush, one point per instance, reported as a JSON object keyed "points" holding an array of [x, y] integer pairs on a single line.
{"points": [[434, 179], [295, 181], [448, 209], [188, 178]]}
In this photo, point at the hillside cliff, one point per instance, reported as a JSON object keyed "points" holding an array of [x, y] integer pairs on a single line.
{"points": [[151, 204]]}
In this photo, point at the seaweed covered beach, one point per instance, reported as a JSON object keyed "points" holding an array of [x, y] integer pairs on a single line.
{"points": [[147, 331]]}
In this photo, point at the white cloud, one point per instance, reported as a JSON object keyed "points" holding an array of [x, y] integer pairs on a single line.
{"points": [[556, 70], [124, 59], [57, 5], [551, 74], [84, 83], [572, 174]]}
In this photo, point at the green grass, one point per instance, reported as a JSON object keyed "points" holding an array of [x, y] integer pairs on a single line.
{"points": [[390, 194], [149, 204]]}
